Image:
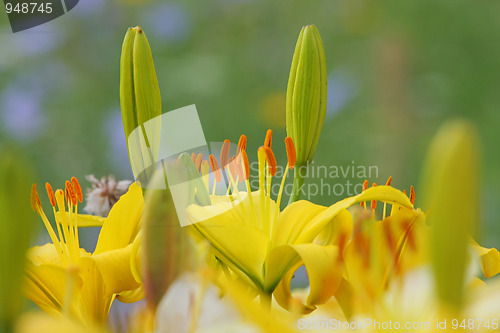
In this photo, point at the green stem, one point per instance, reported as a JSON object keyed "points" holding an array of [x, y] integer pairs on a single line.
{"points": [[298, 182]]}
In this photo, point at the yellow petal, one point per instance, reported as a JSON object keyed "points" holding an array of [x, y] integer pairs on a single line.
{"points": [[490, 260], [45, 254], [233, 236], [46, 286], [114, 267], [121, 226], [95, 297], [324, 270], [386, 194], [131, 296], [293, 220], [83, 220], [35, 322], [338, 232], [240, 247]]}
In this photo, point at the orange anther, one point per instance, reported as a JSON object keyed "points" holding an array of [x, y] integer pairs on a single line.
{"points": [[50, 193], [246, 165], [198, 161], [70, 193], [242, 144], [271, 161], [389, 181], [365, 186], [290, 152], [78, 189], [269, 139], [224, 153], [215, 168], [374, 202], [35, 200], [404, 191], [193, 157], [412, 195]]}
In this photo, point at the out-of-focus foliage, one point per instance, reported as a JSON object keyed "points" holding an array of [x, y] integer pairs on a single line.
{"points": [[396, 70]]}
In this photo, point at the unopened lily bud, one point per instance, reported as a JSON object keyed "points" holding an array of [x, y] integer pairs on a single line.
{"points": [[16, 226], [451, 196], [140, 98], [167, 249], [140, 101], [306, 94]]}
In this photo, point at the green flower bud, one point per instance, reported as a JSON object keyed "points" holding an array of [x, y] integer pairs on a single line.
{"points": [[16, 224], [140, 102], [451, 195], [167, 250], [140, 98], [306, 94]]}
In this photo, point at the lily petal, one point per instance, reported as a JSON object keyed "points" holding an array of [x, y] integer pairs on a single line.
{"points": [[385, 194], [120, 227], [96, 299], [114, 266], [293, 220], [83, 220], [324, 270], [234, 240], [44, 286], [490, 260]]}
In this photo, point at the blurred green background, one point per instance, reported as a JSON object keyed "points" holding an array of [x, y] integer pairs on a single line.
{"points": [[396, 70]]}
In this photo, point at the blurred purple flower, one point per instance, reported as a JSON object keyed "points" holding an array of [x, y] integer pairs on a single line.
{"points": [[22, 114], [342, 88], [169, 21]]}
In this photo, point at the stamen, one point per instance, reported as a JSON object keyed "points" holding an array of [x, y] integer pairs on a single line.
{"points": [[70, 193], [205, 169], [412, 195], [269, 139], [37, 207], [50, 193], [246, 164], [78, 190], [242, 144], [404, 191], [374, 202], [59, 194], [365, 187], [388, 183], [232, 167], [198, 161], [193, 157], [290, 152], [224, 153], [35, 199], [215, 168], [271, 161], [239, 169]]}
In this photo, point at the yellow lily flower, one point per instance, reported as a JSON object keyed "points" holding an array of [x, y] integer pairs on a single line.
{"points": [[61, 277], [263, 245], [384, 257]]}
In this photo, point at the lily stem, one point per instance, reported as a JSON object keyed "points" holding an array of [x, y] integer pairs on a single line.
{"points": [[298, 182]]}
